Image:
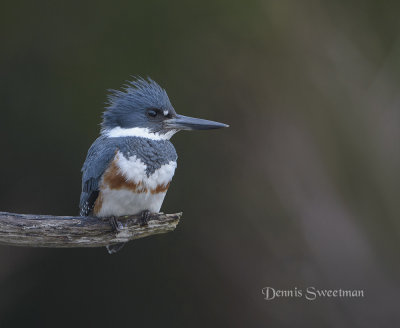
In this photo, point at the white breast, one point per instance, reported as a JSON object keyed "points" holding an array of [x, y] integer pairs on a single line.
{"points": [[126, 200], [134, 170]]}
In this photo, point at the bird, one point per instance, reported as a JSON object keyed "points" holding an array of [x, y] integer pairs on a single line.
{"points": [[129, 167]]}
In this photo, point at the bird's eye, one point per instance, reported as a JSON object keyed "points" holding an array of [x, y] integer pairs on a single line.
{"points": [[152, 113]]}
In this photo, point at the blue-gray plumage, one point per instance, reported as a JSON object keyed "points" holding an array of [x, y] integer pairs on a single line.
{"points": [[154, 153], [128, 169], [138, 94]]}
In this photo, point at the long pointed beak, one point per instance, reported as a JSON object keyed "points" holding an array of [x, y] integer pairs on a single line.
{"points": [[181, 122]]}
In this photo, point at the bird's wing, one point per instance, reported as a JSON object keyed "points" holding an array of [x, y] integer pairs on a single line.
{"points": [[99, 156]]}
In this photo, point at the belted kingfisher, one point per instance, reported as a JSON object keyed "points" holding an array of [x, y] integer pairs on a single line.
{"points": [[128, 169]]}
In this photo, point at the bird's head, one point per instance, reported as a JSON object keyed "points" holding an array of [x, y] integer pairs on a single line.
{"points": [[143, 108]]}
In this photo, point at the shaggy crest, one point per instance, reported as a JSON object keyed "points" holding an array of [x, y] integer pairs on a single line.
{"points": [[137, 95]]}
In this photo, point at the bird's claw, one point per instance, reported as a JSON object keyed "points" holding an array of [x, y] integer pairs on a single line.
{"points": [[115, 224], [144, 218]]}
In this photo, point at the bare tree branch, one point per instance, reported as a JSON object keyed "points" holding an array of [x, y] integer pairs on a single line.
{"points": [[77, 231]]}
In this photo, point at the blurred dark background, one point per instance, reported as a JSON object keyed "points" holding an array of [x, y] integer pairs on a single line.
{"points": [[302, 190]]}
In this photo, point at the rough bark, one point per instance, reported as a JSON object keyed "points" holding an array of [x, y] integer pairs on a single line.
{"points": [[76, 231]]}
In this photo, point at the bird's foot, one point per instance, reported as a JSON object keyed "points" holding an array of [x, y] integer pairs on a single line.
{"points": [[144, 218], [116, 227], [115, 224]]}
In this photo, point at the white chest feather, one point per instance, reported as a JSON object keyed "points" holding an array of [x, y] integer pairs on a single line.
{"points": [[126, 189], [133, 169]]}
